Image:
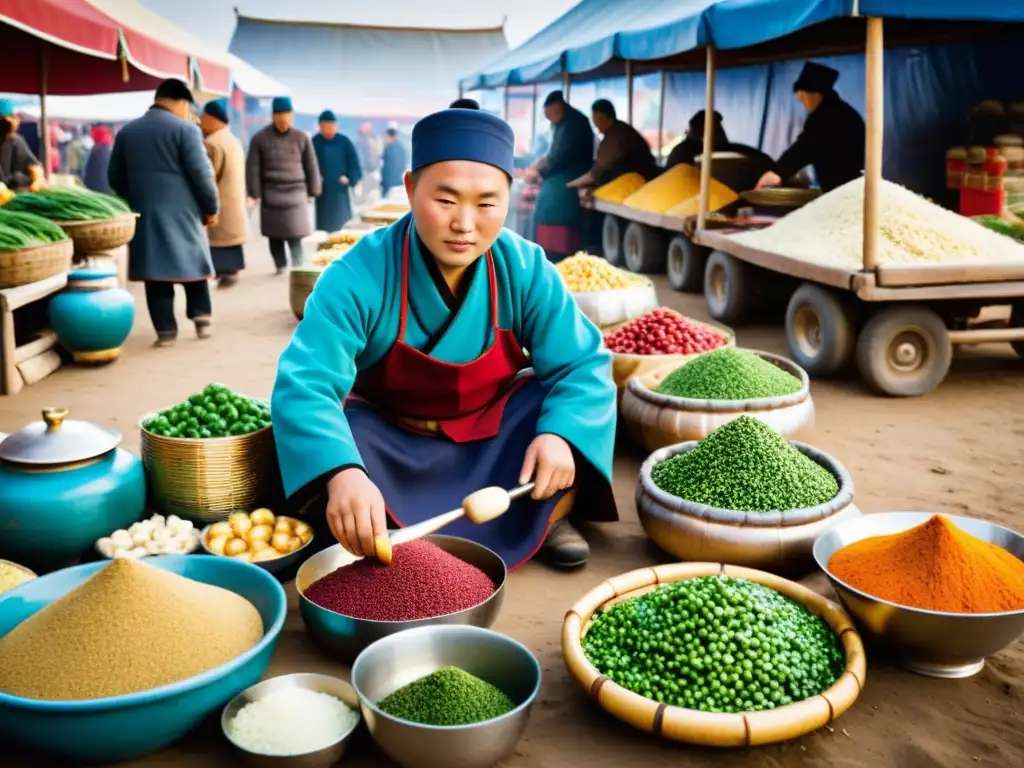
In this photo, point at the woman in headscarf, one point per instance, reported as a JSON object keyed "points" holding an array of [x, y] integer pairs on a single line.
{"points": [[99, 159]]}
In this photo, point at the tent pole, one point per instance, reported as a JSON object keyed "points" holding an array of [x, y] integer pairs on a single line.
{"points": [[629, 91], [44, 128], [461, 91], [508, 98], [661, 113], [533, 119], [566, 82], [709, 140], [875, 127]]}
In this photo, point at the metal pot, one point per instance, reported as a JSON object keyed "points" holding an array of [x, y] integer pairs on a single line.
{"points": [[64, 484], [779, 541]]}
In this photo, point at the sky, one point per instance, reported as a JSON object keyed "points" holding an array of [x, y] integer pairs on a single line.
{"points": [[214, 20]]}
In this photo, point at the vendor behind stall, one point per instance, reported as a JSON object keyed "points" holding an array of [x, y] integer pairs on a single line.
{"points": [[558, 215], [692, 146], [623, 149], [420, 332], [832, 140], [19, 168]]}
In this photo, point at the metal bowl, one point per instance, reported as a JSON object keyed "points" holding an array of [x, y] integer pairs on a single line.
{"points": [[321, 758], [928, 642], [277, 565], [346, 636], [396, 661]]}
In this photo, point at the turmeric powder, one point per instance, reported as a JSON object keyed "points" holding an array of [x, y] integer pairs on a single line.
{"points": [[935, 566]]}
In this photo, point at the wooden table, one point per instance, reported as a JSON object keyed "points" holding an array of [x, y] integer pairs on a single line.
{"points": [[36, 359]]}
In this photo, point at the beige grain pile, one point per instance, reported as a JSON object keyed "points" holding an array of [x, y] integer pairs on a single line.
{"points": [[830, 231], [128, 628]]}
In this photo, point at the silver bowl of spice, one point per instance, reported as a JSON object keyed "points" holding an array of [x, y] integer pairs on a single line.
{"points": [[972, 570], [761, 500], [446, 696], [347, 603], [303, 720]]}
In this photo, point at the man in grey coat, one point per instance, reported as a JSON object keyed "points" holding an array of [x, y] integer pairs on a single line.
{"points": [[159, 165], [281, 173]]}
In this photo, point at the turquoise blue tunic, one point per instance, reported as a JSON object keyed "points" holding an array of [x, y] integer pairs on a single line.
{"points": [[351, 321]]}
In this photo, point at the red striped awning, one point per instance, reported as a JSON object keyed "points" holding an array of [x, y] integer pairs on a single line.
{"points": [[88, 51]]}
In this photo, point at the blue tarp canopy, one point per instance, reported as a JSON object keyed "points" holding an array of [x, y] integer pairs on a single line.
{"points": [[602, 30]]}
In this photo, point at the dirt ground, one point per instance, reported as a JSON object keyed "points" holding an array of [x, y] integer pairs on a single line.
{"points": [[959, 450]]}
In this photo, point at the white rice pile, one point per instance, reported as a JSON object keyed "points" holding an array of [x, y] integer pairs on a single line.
{"points": [[291, 721], [829, 231]]}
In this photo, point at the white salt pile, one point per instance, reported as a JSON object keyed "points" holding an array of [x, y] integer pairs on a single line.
{"points": [[829, 231], [291, 721]]}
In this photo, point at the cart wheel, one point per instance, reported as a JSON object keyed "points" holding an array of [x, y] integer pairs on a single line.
{"points": [[611, 239], [686, 262], [820, 330], [904, 351], [1017, 321], [728, 289], [644, 248]]}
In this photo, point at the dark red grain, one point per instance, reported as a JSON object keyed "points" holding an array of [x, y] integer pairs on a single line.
{"points": [[423, 581]]}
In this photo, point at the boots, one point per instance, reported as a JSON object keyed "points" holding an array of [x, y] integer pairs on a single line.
{"points": [[564, 547]]}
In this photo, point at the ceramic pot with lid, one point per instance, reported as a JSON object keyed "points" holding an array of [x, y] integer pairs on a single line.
{"points": [[92, 316], [64, 484]]}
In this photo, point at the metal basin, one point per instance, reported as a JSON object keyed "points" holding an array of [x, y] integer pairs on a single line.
{"points": [[346, 636], [929, 642], [321, 758], [396, 661]]}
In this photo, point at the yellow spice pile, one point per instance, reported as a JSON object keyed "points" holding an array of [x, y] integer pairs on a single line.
{"points": [[584, 273], [128, 628]]}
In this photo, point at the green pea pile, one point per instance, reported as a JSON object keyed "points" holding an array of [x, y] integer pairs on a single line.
{"points": [[214, 412], [449, 696], [746, 466], [729, 374], [716, 644]]}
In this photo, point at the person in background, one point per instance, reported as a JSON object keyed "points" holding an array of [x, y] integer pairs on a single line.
{"points": [[19, 168], [281, 174], [406, 385], [464, 104], [622, 150], [832, 140], [341, 171], [158, 165], [393, 163], [98, 161], [368, 150], [558, 216], [691, 147], [227, 157]]}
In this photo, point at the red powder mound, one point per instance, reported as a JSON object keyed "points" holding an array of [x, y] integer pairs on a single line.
{"points": [[423, 581]]}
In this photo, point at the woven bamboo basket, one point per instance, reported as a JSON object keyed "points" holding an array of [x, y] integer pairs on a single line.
{"points": [[626, 366], [206, 480], [655, 420], [712, 729], [781, 541], [300, 285], [29, 265], [101, 235]]}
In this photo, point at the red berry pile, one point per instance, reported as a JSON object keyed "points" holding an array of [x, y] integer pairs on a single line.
{"points": [[663, 332]]}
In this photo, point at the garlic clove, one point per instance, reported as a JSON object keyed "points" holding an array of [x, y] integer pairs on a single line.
{"points": [[121, 539]]}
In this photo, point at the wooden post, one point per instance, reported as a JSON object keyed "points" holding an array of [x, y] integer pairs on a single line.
{"points": [[629, 91], [875, 127], [566, 82], [661, 114], [709, 140], [44, 128], [508, 106]]}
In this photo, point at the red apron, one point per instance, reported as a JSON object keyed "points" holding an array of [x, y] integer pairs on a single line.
{"points": [[464, 401]]}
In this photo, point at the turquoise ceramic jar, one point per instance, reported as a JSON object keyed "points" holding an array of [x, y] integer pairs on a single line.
{"points": [[92, 316], [63, 485]]}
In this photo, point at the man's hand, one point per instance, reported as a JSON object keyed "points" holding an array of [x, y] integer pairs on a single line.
{"points": [[252, 201], [769, 179], [355, 511], [549, 462], [211, 220], [344, 180]]}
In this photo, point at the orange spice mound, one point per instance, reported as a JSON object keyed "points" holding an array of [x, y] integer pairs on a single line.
{"points": [[935, 566]]}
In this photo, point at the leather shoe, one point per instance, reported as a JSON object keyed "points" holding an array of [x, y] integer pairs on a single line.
{"points": [[564, 547]]}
